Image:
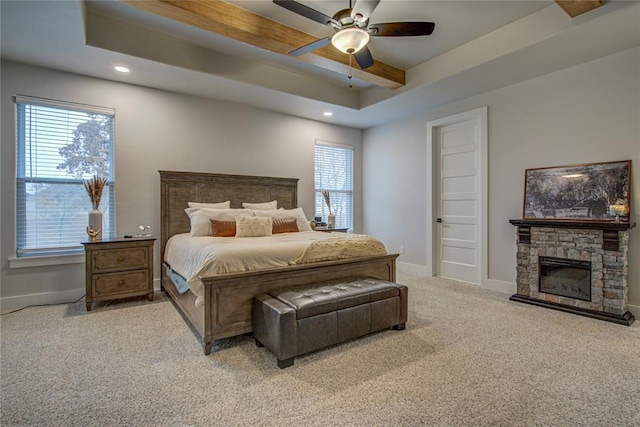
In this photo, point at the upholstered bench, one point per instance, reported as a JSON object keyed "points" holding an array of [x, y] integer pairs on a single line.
{"points": [[297, 320]]}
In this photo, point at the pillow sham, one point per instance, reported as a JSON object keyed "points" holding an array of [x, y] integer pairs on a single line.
{"points": [[223, 228], [200, 218], [297, 213], [248, 226], [266, 206], [221, 205], [285, 225]]}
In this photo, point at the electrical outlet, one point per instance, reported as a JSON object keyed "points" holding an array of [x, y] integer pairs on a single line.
{"points": [[401, 249]]}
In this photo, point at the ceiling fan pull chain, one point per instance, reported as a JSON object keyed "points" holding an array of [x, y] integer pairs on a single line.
{"points": [[350, 76]]}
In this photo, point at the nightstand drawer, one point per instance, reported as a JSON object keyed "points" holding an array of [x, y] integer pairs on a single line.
{"points": [[116, 283], [120, 259]]}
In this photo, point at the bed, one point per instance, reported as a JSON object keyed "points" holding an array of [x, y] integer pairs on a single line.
{"points": [[228, 298]]}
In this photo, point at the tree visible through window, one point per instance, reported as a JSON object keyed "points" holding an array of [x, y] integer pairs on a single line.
{"points": [[58, 145], [334, 172]]}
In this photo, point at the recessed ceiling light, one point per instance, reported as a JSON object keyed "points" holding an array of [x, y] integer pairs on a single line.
{"points": [[121, 69], [328, 113]]}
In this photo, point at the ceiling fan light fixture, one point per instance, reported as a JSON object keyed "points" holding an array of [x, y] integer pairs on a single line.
{"points": [[350, 40]]}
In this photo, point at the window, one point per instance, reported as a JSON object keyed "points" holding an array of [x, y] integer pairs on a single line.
{"points": [[334, 172], [58, 146]]}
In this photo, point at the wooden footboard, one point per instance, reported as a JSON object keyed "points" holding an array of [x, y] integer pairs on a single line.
{"points": [[228, 298]]}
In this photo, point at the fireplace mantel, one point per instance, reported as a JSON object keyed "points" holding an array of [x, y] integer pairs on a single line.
{"points": [[609, 228]]}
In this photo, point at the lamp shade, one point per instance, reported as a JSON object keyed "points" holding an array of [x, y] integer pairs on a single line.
{"points": [[350, 40]]}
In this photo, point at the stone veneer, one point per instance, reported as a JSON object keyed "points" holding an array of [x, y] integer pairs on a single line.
{"points": [[608, 267]]}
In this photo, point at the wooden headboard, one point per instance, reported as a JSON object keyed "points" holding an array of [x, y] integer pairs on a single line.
{"points": [[179, 188]]}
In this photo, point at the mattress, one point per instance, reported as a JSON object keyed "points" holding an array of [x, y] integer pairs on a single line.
{"points": [[193, 257]]}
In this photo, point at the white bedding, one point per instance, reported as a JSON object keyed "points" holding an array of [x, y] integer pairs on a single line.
{"points": [[199, 256]]}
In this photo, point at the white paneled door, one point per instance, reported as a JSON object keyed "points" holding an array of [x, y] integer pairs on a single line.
{"points": [[458, 199]]}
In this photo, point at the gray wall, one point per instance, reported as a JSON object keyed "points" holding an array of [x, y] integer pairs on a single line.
{"points": [[157, 130], [587, 113]]}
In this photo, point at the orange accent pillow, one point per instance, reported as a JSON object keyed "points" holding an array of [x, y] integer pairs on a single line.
{"points": [[285, 225], [223, 228]]}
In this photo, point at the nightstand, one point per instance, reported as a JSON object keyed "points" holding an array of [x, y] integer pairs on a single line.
{"points": [[118, 268], [329, 230]]}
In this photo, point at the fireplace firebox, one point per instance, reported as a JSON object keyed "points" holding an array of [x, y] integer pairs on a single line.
{"points": [[565, 277]]}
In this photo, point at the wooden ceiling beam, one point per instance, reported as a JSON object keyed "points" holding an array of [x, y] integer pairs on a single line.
{"points": [[574, 8], [240, 24]]}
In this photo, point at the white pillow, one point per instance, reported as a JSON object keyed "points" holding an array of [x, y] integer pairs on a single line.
{"points": [[200, 218], [297, 213], [248, 226], [221, 205], [267, 206]]}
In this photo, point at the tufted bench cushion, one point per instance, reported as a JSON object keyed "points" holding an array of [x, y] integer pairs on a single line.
{"points": [[297, 320]]}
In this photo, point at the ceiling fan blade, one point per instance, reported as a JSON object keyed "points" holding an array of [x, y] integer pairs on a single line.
{"points": [[363, 8], [311, 46], [364, 58], [401, 29], [305, 11]]}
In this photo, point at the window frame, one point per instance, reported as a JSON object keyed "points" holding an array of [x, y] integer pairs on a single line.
{"points": [[54, 255], [350, 193]]}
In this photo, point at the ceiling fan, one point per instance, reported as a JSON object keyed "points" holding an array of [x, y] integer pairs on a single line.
{"points": [[353, 29]]}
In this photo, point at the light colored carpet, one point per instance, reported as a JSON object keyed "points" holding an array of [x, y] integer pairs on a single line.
{"points": [[469, 357]]}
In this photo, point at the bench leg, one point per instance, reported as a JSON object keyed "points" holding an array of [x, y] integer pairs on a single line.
{"points": [[285, 363], [399, 327]]}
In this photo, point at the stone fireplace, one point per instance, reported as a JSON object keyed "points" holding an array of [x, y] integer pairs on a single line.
{"points": [[574, 266]]}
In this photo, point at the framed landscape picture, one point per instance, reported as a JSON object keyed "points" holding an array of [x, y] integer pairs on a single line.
{"points": [[588, 192]]}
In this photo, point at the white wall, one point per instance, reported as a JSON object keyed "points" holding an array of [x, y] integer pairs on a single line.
{"points": [[587, 113], [157, 130]]}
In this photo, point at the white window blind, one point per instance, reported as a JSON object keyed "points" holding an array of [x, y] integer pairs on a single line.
{"points": [[58, 146], [334, 172]]}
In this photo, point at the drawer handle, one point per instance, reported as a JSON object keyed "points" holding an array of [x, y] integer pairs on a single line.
{"points": [[120, 259], [121, 282]]}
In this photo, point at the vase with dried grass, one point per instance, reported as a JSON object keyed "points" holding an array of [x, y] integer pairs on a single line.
{"points": [[94, 187], [331, 219]]}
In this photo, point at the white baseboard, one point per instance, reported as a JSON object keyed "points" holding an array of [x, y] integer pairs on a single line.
{"points": [[9, 304], [423, 271], [499, 285], [635, 310], [418, 270]]}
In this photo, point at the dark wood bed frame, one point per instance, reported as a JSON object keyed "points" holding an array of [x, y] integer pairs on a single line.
{"points": [[228, 298]]}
